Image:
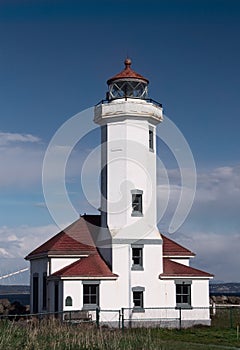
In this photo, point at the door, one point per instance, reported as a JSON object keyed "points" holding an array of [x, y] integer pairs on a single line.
{"points": [[35, 294], [56, 299]]}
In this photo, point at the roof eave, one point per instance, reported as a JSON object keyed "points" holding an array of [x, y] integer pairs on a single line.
{"points": [[57, 255], [179, 256], [171, 277], [83, 277]]}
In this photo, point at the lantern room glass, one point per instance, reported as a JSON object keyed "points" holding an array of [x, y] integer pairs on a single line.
{"points": [[128, 88]]}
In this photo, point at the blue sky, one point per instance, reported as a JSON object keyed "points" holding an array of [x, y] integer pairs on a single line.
{"points": [[55, 58]]}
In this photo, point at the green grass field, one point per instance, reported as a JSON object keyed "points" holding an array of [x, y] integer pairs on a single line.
{"points": [[51, 335]]}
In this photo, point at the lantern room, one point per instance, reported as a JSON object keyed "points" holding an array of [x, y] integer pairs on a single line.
{"points": [[127, 84]]}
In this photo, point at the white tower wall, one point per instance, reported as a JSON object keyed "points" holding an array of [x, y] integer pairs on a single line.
{"points": [[129, 165]]}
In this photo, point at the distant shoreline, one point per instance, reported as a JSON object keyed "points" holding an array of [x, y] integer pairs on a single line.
{"points": [[22, 298]]}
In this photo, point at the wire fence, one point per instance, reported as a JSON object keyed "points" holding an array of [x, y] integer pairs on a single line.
{"points": [[216, 316], [223, 316]]}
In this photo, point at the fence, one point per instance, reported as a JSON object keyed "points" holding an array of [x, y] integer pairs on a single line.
{"points": [[225, 316], [218, 316]]}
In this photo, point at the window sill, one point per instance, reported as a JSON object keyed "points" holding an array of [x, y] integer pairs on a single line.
{"points": [[137, 214], [184, 307], [91, 307], [137, 268], [138, 309]]}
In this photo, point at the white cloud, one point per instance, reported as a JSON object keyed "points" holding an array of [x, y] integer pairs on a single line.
{"points": [[17, 242], [21, 158], [212, 228], [218, 188], [4, 253], [218, 253], [8, 137], [21, 166], [219, 184]]}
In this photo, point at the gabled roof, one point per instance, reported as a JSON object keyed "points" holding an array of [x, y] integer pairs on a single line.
{"points": [[76, 239], [127, 73], [173, 249], [92, 266], [174, 269]]}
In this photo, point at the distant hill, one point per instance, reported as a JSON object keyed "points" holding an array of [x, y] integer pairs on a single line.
{"points": [[14, 289], [225, 288]]}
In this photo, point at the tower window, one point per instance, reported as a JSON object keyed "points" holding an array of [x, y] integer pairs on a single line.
{"points": [[137, 209], [137, 257], [151, 146], [138, 304]]}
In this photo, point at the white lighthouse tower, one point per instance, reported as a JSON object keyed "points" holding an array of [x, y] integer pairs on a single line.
{"points": [[128, 122], [130, 241]]}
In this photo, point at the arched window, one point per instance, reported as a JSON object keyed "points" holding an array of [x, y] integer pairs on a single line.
{"points": [[68, 301]]}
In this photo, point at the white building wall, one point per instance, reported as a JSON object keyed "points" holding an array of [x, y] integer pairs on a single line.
{"points": [[120, 266], [159, 299], [149, 277], [131, 165], [58, 263], [74, 289], [184, 261]]}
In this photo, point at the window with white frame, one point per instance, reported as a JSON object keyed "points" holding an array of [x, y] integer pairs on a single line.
{"points": [[137, 207], [137, 257], [183, 293], [138, 300], [90, 294]]}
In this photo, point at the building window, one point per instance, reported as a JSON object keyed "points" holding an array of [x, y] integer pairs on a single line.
{"points": [[183, 294], [68, 301], [44, 291], [150, 132], [137, 257], [90, 295], [138, 305], [137, 209]]}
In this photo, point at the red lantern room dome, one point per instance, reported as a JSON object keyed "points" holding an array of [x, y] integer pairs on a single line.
{"points": [[127, 84], [127, 73]]}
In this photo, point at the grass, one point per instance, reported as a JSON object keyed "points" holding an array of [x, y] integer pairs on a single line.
{"points": [[53, 335]]}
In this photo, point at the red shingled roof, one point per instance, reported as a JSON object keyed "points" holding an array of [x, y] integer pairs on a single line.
{"points": [[174, 269], [171, 248], [127, 73], [75, 239], [91, 266]]}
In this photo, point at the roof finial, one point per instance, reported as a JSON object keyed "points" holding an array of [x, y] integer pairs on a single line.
{"points": [[128, 63]]}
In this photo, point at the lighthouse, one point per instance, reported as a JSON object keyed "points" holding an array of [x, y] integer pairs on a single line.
{"points": [[129, 240], [118, 263]]}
